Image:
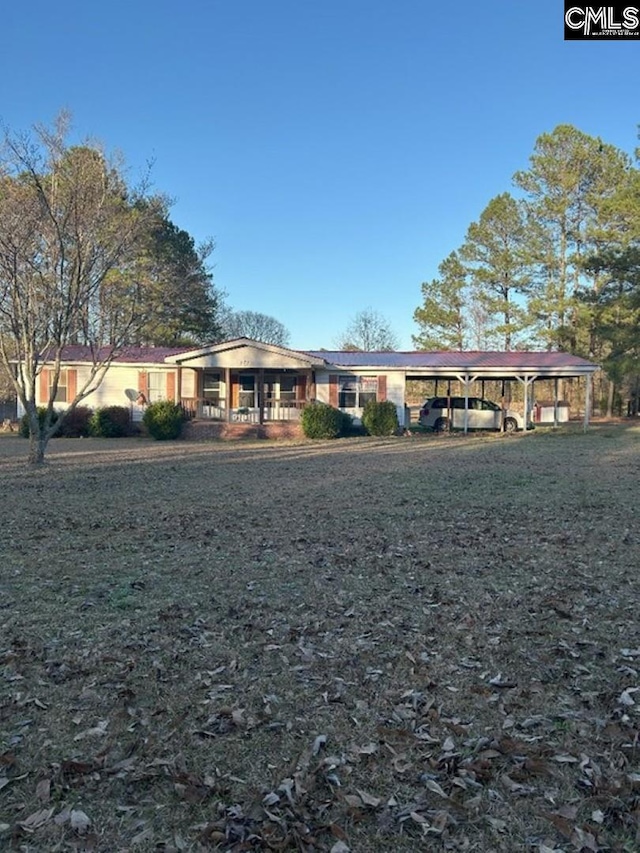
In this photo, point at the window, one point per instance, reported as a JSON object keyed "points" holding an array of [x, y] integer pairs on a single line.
{"points": [[280, 388], [287, 387], [356, 391], [63, 386], [156, 386], [211, 387]]}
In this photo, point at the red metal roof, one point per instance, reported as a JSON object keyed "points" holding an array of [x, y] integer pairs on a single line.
{"points": [[127, 355], [439, 361], [459, 361]]}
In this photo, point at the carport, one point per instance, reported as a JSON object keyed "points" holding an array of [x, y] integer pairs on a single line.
{"points": [[524, 367]]}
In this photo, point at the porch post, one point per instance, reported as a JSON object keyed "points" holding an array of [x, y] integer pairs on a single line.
{"points": [[227, 392], [555, 401], [260, 400]]}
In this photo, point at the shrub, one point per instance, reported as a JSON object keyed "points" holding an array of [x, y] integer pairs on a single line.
{"points": [[380, 418], [23, 429], [76, 423], [322, 421], [111, 422], [163, 420]]}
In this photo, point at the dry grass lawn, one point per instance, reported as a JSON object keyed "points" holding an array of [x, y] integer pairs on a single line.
{"points": [[425, 643]]}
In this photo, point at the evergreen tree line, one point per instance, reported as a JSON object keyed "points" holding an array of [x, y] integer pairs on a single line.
{"points": [[555, 268]]}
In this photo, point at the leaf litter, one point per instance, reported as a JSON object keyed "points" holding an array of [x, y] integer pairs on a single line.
{"points": [[360, 645]]}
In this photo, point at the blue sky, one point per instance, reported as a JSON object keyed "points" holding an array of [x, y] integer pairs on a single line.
{"points": [[336, 151]]}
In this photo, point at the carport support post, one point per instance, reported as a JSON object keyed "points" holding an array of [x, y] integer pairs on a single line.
{"points": [[466, 380], [587, 402], [527, 382]]}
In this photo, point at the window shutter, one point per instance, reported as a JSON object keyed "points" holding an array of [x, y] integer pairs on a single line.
{"points": [[143, 383], [333, 391], [44, 386], [382, 389], [301, 388], [171, 387], [235, 390], [72, 385]]}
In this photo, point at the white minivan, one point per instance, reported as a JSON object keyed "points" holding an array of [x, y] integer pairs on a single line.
{"points": [[444, 413]]}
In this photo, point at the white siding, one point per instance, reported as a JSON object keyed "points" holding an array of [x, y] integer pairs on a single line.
{"points": [[119, 387], [248, 358], [395, 388]]}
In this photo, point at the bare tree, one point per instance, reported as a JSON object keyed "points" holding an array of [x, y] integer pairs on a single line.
{"points": [[69, 229], [368, 331], [252, 324]]}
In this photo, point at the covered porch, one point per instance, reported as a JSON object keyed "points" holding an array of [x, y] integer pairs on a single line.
{"points": [[245, 382], [256, 397]]}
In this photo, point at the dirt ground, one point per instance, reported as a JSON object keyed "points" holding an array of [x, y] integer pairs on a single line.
{"points": [[418, 643]]}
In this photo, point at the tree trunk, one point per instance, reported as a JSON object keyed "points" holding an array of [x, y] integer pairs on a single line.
{"points": [[610, 398], [37, 446]]}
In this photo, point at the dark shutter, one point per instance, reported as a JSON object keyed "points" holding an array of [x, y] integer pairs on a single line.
{"points": [[333, 391], [382, 389]]}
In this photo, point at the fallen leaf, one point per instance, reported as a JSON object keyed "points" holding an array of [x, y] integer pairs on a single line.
{"points": [[43, 790], [80, 821], [419, 818], [271, 799], [318, 743], [369, 799], [436, 789], [141, 837], [582, 840], [35, 820], [626, 699], [497, 824]]}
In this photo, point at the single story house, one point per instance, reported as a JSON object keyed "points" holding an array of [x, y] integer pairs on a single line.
{"points": [[250, 382]]}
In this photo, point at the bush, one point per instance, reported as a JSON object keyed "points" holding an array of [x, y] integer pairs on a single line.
{"points": [[322, 421], [380, 418], [163, 420], [76, 423], [23, 429], [111, 422]]}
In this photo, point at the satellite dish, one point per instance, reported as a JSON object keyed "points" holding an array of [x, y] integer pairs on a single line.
{"points": [[132, 394]]}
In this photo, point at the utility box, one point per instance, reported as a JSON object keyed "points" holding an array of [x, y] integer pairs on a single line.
{"points": [[544, 412]]}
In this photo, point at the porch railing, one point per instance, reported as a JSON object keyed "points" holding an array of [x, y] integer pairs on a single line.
{"points": [[273, 410]]}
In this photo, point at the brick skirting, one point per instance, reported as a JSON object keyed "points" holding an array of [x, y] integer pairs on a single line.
{"points": [[211, 430]]}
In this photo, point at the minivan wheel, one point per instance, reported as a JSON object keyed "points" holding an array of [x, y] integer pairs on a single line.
{"points": [[510, 425], [441, 425]]}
